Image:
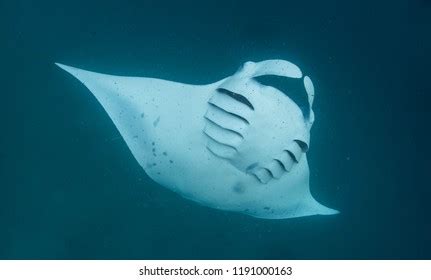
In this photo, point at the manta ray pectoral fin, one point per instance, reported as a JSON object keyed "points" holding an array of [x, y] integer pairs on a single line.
{"points": [[122, 99], [310, 206], [101, 85]]}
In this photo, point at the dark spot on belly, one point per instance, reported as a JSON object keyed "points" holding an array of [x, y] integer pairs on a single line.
{"points": [[238, 188], [266, 208], [165, 153], [156, 122]]}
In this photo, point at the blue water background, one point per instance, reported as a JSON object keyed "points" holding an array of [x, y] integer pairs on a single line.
{"points": [[70, 188]]}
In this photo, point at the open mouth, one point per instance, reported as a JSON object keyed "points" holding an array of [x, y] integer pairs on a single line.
{"points": [[292, 88]]}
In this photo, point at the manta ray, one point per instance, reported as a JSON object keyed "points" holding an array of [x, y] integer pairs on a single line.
{"points": [[238, 144]]}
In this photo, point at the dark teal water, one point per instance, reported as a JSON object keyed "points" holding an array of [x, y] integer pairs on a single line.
{"points": [[70, 189]]}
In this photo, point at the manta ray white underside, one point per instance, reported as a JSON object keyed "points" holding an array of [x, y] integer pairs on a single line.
{"points": [[236, 144]]}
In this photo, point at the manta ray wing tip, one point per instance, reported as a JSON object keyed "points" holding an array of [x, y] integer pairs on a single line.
{"points": [[76, 72], [329, 211], [63, 66]]}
